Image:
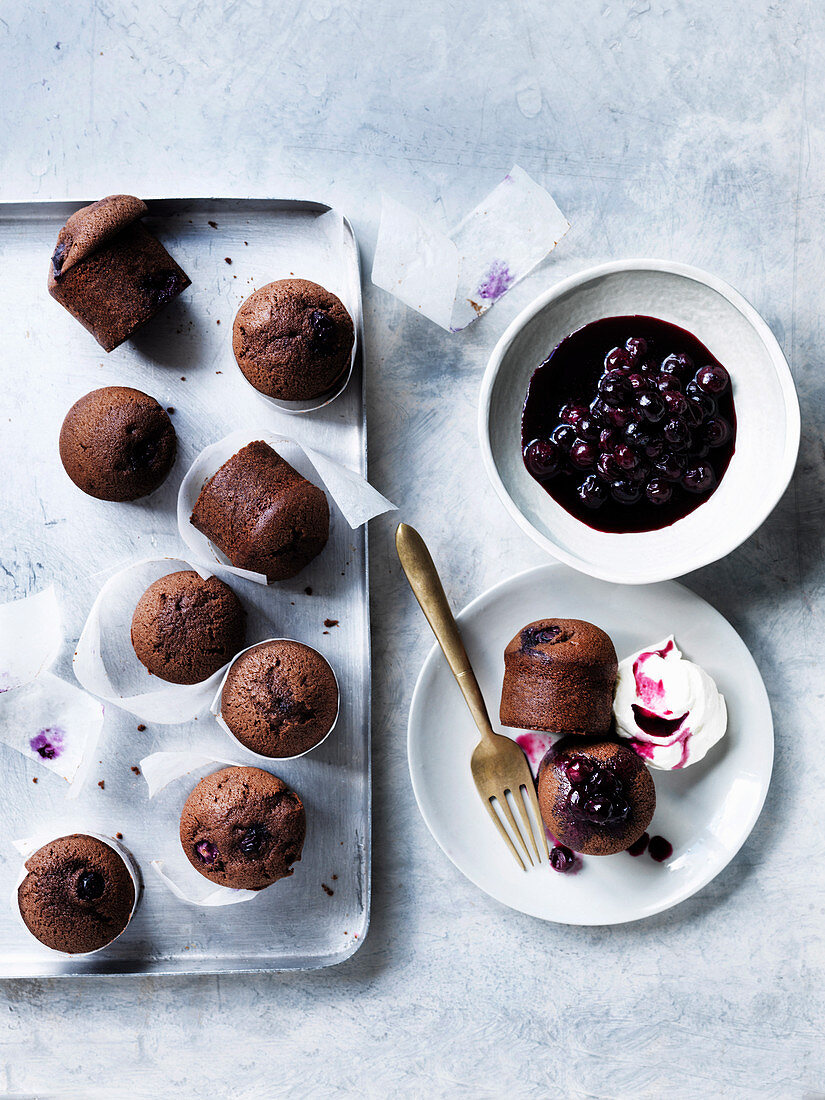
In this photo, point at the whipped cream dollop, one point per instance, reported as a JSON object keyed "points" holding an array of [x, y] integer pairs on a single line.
{"points": [[667, 707]]}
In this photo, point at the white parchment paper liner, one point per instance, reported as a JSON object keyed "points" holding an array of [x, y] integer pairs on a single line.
{"points": [[42, 716], [355, 497], [106, 664], [453, 278], [215, 708], [27, 846], [159, 769]]}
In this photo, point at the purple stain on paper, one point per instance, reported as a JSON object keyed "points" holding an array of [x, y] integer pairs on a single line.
{"points": [[48, 744], [496, 282]]}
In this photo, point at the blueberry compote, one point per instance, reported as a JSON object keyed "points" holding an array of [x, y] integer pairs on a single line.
{"points": [[630, 424]]}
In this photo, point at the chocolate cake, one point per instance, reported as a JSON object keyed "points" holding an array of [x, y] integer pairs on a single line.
{"points": [[185, 628], [262, 514], [280, 698], [78, 894], [243, 828], [117, 444], [559, 676], [109, 271], [596, 797], [293, 340]]}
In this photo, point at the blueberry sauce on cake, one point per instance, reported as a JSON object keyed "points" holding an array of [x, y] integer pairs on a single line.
{"points": [[629, 424], [596, 797]]}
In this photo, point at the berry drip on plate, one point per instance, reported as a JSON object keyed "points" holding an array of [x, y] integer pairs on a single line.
{"points": [[629, 424]]}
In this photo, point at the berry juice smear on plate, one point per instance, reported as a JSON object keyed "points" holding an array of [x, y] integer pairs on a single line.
{"points": [[629, 424]]}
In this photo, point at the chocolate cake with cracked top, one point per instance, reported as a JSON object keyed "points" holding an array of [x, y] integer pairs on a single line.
{"points": [[117, 443], [263, 514], [559, 677], [109, 272], [280, 698], [293, 340], [185, 628], [77, 895], [597, 797], [243, 828]]}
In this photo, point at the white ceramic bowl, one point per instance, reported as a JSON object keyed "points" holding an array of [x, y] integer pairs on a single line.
{"points": [[767, 415]]}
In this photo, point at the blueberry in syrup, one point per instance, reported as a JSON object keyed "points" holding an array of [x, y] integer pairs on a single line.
{"points": [[713, 380], [589, 428], [206, 852], [670, 466], [621, 428], [562, 859], [658, 491], [572, 414], [699, 478], [543, 458], [253, 839], [652, 406], [636, 348], [90, 886], [593, 492], [677, 364], [624, 455], [625, 491], [564, 436], [583, 454], [616, 359], [716, 431], [675, 402]]}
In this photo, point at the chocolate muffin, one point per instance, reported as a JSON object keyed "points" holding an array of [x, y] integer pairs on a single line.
{"points": [[185, 628], [78, 894], [117, 444], [596, 797], [280, 698], [243, 827], [262, 514], [559, 677], [293, 340], [109, 271]]}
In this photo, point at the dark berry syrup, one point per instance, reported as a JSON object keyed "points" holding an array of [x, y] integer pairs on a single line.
{"points": [[630, 424]]}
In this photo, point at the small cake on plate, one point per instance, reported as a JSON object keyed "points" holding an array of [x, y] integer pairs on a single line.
{"points": [[117, 444], [597, 797], [78, 894], [280, 698], [293, 340], [263, 514], [109, 271], [243, 828], [559, 676], [185, 628]]}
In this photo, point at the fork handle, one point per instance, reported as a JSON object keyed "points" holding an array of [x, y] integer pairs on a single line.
{"points": [[426, 584]]}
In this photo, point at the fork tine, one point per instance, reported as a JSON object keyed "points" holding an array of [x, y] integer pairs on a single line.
{"points": [[532, 798], [488, 802], [528, 824], [508, 813]]}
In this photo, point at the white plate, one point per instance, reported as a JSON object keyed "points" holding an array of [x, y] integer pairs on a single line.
{"points": [[705, 811], [767, 412]]}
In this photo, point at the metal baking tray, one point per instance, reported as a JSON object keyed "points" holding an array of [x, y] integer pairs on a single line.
{"points": [[51, 532]]}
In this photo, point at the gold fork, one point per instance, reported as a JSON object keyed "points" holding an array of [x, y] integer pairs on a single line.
{"points": [[498, 765]]}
